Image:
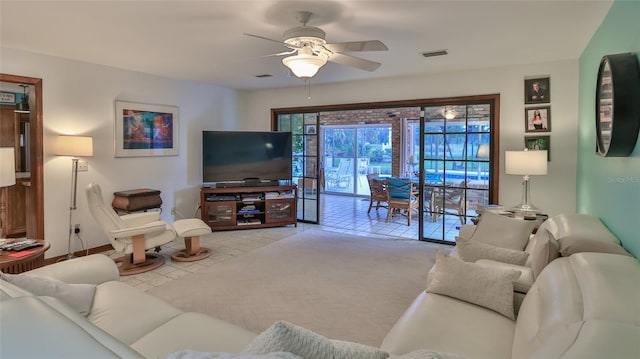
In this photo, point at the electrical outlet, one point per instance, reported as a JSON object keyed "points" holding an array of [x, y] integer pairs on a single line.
{"points": [[76, 228], [83, 166]]}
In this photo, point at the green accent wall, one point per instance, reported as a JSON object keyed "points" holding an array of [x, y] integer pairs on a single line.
{"points": [[608, 188]]}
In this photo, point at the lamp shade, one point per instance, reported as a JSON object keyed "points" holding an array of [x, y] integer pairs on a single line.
{"points": [[78, 146], [304, 65], [525, 163], [7, 167]]}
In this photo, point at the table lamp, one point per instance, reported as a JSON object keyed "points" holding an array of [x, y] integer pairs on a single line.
{"points": [[525, 163], [74, 146], [7, 178]]}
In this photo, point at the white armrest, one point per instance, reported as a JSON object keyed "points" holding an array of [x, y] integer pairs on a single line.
{"points": [[157, 226], [93, 269], [138, 219], [466, 230]]}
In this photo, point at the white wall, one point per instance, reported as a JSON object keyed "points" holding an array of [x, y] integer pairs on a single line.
{"points": [[78, 98], [554, 193]]}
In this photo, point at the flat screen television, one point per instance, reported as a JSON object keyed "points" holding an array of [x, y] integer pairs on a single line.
{"points": [[233, 156]]}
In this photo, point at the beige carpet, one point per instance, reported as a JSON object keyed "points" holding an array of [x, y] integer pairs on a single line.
{"points": [[343, 287]]}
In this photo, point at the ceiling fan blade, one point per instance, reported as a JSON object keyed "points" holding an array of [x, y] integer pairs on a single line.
{"points": [[268, 39], [373, 45], [282, 53], [352, 61]]}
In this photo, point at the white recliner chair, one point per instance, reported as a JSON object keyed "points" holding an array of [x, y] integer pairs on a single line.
{"points": [[131, 234]]}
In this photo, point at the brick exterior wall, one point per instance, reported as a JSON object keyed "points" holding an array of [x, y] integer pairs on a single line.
{"points": [[382, 116]]}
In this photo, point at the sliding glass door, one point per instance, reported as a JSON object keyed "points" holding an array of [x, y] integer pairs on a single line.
{"points": [[455, 166], [352, 152]]}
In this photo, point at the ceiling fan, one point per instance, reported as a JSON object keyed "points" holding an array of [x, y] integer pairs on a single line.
{"points": [[313, 51]]}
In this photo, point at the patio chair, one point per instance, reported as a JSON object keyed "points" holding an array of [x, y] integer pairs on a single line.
{"points": [[401, 196], [378, 192], [341, 178], [449, 200]]}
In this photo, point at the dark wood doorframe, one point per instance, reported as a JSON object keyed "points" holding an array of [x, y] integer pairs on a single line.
{"points": [[36, 154]]}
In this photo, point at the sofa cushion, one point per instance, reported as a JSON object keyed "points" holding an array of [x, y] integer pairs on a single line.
{"points": [[545, 249], [505, 232], [77, 296], [286, 337], [45, 327], [580, 226], [116, 303], [445, 324], [471, 251], [485, 286], [578, 304], [195, 331], [572, 244]]}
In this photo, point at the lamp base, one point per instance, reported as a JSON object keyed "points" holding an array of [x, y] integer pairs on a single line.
{"points": [[525, 208]]}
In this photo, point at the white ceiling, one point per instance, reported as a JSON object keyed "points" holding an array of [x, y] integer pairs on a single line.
{"points": [[204, 41]]}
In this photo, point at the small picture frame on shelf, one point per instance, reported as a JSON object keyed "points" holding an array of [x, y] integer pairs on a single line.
{"points": [[310, 129], [537, 90], [539, 143], [537, 119]]}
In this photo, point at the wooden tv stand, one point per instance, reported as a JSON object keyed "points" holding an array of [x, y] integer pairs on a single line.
{"points": [[248, 207]]}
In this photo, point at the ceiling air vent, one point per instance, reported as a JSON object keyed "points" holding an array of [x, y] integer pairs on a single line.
{"points": [[435, 53]]}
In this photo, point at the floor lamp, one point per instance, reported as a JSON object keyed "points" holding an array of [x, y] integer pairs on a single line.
{"points": [[525, 163], [74, 146], [7, 178]]}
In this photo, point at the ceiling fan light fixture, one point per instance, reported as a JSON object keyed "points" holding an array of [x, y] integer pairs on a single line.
{"points": [[304, 66]]}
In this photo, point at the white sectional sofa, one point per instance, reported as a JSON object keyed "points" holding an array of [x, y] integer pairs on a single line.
{"points": [[585, 305], [124, 322]]}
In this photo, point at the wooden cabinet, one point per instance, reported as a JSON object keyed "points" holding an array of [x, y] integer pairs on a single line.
{"points": [[248, 207], [13, 204], [13, 198]]}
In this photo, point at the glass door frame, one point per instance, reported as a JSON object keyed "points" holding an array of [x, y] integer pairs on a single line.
{"points": [[308, 198], [494, 156], [495, 130]]}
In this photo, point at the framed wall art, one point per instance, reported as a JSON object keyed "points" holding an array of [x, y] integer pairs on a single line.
{"points": [[145, 130], [537, 119], [537, 90], [539, 143]]}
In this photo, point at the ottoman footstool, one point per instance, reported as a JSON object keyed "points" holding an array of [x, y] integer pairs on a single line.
{"points": [[191, 229]]}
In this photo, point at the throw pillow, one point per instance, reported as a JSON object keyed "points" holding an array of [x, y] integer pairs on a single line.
{"points": [[192, 354], [429, 354], [77, 296], [353, 350], [505, 232], [471, 251], [545, 249], [491, 288], [572, 244], [286, 337]]}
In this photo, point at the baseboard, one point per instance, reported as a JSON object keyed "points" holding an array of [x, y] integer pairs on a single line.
{"points": [[94, 250]]}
